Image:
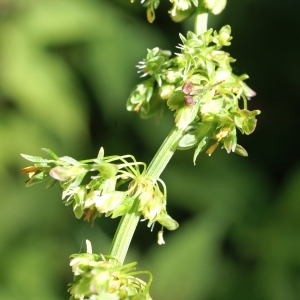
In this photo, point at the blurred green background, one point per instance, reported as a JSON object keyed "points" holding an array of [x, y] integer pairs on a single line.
{"points": [[66, 70]]}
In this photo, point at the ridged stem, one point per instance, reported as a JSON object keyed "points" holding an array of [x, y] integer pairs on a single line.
{"points": [[129, 221]]}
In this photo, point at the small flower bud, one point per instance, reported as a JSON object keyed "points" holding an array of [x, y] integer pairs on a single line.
{"points": [[108, 170], [166, 91], [222, 75], [215, 6], [173, 76], [181, 10], [240, 150], [62, 173]]}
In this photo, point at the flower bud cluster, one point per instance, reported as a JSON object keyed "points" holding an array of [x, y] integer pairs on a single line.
{"points": [[182, 9], [152, 202], [199, 85], [96, 278], [94, 195], [111, 190]]}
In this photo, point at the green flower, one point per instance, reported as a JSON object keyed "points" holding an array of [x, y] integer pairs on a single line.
{"points": [[103, 194], [215, 6], [96, 277], [154, 64], [181, 9], [152, 202]]}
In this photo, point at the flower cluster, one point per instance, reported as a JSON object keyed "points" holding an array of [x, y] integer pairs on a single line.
{"points": [[152, 202], [111, 189], [182, 9], [199, 85], [96, 278]]}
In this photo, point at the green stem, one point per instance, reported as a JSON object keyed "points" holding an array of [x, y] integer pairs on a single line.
{"points": [[124, 233], [130, 220], [201, 19], [165, 153]]}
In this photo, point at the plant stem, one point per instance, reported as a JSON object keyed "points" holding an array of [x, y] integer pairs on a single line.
{"points": [[129, 221], [124, 233], [201, 19], [165, 153]]}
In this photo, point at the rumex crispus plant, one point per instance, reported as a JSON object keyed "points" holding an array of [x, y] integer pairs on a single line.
{"points": [[209, 103]]}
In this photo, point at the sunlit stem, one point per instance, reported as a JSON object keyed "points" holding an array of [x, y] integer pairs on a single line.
{"points": [[201, 19], [129, 221]]}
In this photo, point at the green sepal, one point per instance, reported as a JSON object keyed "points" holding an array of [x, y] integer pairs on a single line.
{"points": [[166, 91], [108, 185], [109, 202], [201, 146], [63, 173], [166, 221], [50, 152], [37, 178], [230, 140], [79, 178], [183, 117], [96, 183], [142, 92], [79, 196], [156, 106], [100, 155], [67, 160], [78, 212], [215, 6], [240, 150], [123, 208], [108, 170], [245, 120], [154, 64], [223, 38], [51, 183], [194, 136], [178, 15], [176, 100]]}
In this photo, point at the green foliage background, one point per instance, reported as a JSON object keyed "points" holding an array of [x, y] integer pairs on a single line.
{"points": [[66, 70]]}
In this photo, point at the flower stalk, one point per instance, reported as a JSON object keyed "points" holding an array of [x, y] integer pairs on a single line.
{"points": [[128, 223]]}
